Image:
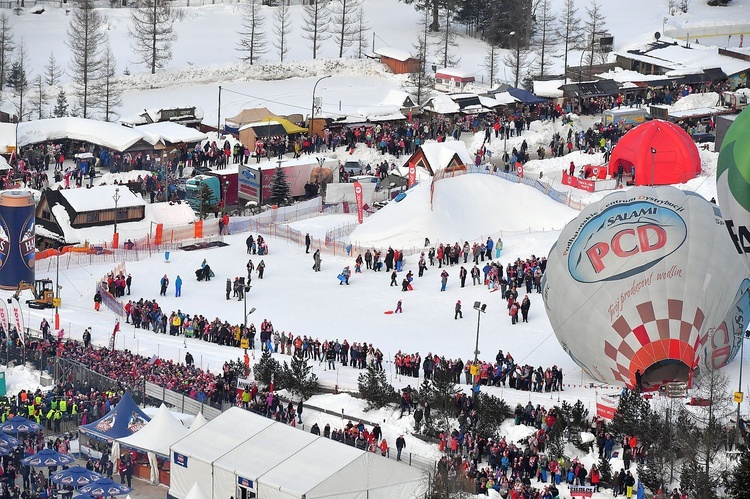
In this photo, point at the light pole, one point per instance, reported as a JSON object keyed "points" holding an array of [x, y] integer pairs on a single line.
{"points": [[739, 388], [481, 308], [226, 186], [57, 290], [116, 197], [653, 162], [247, 314], [312, 111]]}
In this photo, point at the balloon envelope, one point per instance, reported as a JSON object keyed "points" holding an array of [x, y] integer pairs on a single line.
{"points": [[646, 279], [733, 183]]}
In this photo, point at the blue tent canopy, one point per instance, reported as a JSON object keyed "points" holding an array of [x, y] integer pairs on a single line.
{"points": [[123, 420], [525, 96]]}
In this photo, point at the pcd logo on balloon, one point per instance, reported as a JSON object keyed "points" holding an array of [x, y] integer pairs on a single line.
{"points": [[623, 241]]}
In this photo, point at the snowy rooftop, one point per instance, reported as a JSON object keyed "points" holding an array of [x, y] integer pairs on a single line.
{"points": [[395, 97], [439, 154], [549, 89], [7, 136], [110, 135], [676, 56], [627, 76], [442, 104], [393, 53], [459, 73], [302, 160], [167, 131], [100, 197]]}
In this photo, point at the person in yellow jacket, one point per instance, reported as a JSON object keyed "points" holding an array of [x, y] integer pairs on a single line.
{"points": [[56, 418], [50, 417]]}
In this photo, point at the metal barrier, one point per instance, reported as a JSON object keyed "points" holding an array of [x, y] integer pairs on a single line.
{"points": [[180, 401]]}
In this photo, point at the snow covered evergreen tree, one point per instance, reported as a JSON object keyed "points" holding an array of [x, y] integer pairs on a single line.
{"points": [[279, 187], [61, 105]]}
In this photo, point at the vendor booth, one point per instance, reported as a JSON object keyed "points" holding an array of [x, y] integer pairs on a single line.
{"points": [[123, 420], [154, 440]]}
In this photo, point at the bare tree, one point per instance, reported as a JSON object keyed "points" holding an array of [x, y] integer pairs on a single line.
{"points": [[38, 97], [446, 45], [545, 37], [569, 28], [86, 38], [315, 19], [282, 28], [152, 31], [252, 43], [517, 59], [6, 47], [52, 71], [109, 88], [490, 62], [18, 79], [361, 39], [344, 23], [421, 83], [593, 26]]}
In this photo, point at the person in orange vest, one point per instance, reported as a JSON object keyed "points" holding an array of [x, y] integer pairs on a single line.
{"points": [[383, 447]]}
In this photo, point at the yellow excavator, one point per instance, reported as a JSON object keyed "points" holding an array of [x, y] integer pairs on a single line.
{"points": [[43, 291]]}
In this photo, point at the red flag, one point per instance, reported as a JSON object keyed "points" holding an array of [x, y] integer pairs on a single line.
{"points": [[519, 169], [113, 336], [359, 199], [411, 179]]}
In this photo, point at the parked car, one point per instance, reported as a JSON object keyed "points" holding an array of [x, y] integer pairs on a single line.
{"points": [[353, 167]]}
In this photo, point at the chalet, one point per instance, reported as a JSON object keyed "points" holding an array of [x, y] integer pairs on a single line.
{"points": [[59, 211], [434, 156], [399, 61], [190, 116], [104, 134], [452, 79]]}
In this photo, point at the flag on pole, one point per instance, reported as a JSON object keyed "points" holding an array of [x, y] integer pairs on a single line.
{"points": [[3, 316], [113, 336], [155, 361], [359, 200], [18, 319]]}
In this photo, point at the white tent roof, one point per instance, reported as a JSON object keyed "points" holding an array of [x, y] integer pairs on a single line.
{"points": [[549, 89], [158, 435], [199, 421], [308, 468], [192, 457], [107, 134], [257, 456], [167, 131], [504, 98], [196, 492], [439, 154]]}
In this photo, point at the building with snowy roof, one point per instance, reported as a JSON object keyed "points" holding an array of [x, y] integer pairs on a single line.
{"points": [[399, 61], [688, 62], [452, 79], [434, 156]]}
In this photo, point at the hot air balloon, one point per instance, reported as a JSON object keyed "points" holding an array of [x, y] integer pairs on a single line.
{"points": [[647, 280], [733, 183]]}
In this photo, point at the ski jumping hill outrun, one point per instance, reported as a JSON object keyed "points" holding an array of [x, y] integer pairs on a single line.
{"points": [[468, 207]]}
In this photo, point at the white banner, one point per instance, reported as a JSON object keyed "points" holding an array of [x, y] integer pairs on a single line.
{"points": [[4, 316], [17, 317]]}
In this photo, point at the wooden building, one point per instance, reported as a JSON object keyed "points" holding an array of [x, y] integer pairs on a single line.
{"points": [[399, 61]]}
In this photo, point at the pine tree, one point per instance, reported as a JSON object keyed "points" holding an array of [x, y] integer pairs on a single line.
{"points": [[375, 389], [36, 106], [298, 378], [279, 187], [491, 412], [86, 39], [205, 201], [315, 17], [738, 481], [110, 91], [632, 412], [152, 31], [18, 80], [282, 28], [266, 367], [344, 23], [605, 471], [52, 71], [440, 391], [569, 29], [7, 45], [61, 105], [252, 42], [421, 83]]}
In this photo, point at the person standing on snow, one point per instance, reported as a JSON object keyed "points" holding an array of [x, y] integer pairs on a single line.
{"points": [[97, 300], [178, 286], [398, 310], [164, 283], [261, 268], [525, 306], [229, 286], [316, 260], [394, 275], [443, 280], [462, 275], [308, 242], [458, 311]]}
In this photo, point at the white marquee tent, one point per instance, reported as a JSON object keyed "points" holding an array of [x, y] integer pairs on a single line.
{"points": [[276, 461]]}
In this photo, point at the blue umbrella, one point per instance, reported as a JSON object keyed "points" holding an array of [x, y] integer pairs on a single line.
{"points": [[19, 424], [47, 458], [10, 441], [105, 487], [76, 476]]}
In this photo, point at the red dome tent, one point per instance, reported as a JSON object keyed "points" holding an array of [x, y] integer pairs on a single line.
{"points": [[674, 154]]}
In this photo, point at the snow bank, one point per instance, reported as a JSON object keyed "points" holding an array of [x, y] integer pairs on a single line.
{"points": [[695, 101]]}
